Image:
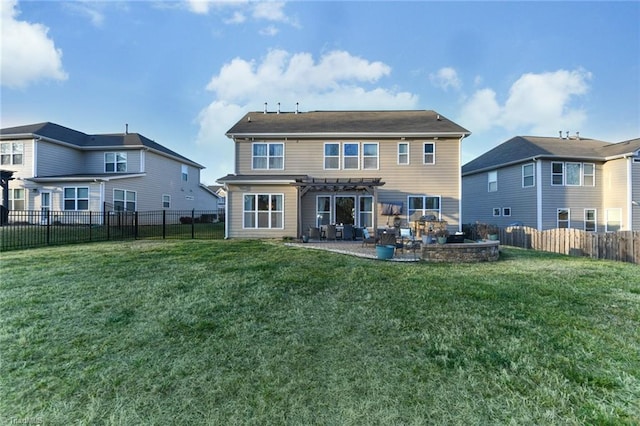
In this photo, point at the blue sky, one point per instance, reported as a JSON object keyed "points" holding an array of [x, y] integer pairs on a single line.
{"points": [[182, 73]]}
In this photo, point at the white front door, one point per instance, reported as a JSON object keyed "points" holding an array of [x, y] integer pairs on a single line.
{"points": [[45, 207]]}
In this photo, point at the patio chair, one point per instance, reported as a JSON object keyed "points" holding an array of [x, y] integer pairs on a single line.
{"points": [[347, 232], [314, 233], [388, 239], [367, 238], [331, 232]]}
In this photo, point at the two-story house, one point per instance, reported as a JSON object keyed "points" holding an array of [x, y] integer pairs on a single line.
{"points": [[555, 182], [59, 169], [296, 170]]}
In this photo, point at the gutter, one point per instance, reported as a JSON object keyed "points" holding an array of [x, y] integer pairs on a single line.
{"points": [[374, 135]]}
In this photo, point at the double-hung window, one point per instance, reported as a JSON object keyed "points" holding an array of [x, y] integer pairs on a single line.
{"points": [[403, 153], [351, 155], [370, 156], [589, 174], [268, 156], [590, 220], [492, 181], [264, 211], [115, 162], [11, 153], [528, 175], [16, 199], [166, 201], [366, 211], [331, 156], [184, 173], [563, 216], [429, 153], [557, 173], [76, 198], [124, 200]]}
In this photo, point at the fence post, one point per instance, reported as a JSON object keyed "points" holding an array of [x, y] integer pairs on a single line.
{"points": [[193, 223], [90, 226], [164, 224], [48, 227], [135, 225]]}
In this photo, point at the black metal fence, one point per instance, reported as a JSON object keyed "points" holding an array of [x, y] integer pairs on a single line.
{"points": [[29, 228]]}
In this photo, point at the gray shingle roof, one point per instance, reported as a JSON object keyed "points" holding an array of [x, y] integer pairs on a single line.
{"points": [[60, 133], [525, 148], [345, 122]]}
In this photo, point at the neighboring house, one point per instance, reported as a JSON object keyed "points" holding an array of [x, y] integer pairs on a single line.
{"points": [[221, 193], [296, 170], [59, 169], [554, 182]]}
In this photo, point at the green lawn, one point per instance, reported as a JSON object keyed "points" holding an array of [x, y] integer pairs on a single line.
{"points": [[251, 332]]}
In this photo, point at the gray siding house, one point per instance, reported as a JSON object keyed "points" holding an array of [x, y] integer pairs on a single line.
{"points": [[59, 169], [300, 170], [547, 183]]}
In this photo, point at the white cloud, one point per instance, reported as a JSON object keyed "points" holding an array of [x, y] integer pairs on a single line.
{"points": [[269, 31], [446, 78], [91, 10], [336, 80], [28, 54], [270, 11], [537, 103]]}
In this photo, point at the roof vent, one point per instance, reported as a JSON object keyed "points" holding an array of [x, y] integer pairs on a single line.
{"points": [[296, 107], [249, 119], [560, 133], [265, 107], [578, 135], [278, 107], [438, 117], [126, 128]]}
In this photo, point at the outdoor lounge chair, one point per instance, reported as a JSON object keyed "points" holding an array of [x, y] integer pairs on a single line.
{"points": [[367, 238], [347, 232], [331, 232], [314, 233]]}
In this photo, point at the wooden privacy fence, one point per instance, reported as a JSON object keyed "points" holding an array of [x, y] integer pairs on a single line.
{"points": [[622, 246]]}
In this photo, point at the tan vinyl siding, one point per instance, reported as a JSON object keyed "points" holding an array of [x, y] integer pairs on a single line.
{"points": [[56, 160], [235, 205], [635, 193], [306, 157], [615, 191]]}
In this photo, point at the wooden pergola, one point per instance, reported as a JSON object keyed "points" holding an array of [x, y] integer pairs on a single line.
{"points": [[311, 184]]}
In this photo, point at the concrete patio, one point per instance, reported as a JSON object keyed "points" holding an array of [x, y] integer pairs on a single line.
{"points": [[355, 248]]}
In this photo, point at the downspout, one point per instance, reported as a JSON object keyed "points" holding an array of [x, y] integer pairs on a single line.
{"points": [[460, 183], [226, 211], [34, 159], [629, 194], [538, 193]]}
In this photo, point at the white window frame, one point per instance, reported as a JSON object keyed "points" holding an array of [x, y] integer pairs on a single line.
{"points": [[366, 156], [346, 157], [270, 213], [424, 210], [594, 220], [428, 155], [492, 181], [184, 173], [17, 195], [496, 211], [526, 176], [567, 166], [118, 162], [554, 174], [76, 199], [11, 153], [608, 222], [269, 157], [588, 176], [326, 157], [166, 201], [403, 155], [559, 221], [126, 201], [365, 216], [324, 217], [506, 211]]}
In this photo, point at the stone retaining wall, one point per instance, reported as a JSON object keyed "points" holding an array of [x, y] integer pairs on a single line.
{"points": [[485, 251]]}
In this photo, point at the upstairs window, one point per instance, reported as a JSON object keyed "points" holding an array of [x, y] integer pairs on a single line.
{"points": [[184, 173], [115, 162], [268, 156], [370, 156], [124, 200], [528, 176], [11, 153], [351, 156], [403, 153], [76, 198], [492, 181], [429, 151], [332, 156], [573, 174]]}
